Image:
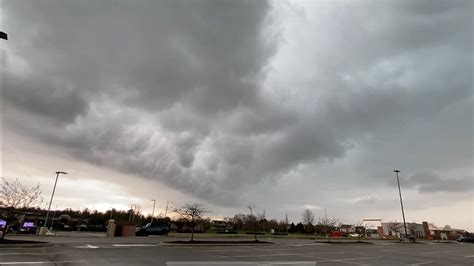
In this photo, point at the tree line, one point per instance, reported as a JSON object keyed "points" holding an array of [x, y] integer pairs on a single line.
{"points": [[18, 201]]}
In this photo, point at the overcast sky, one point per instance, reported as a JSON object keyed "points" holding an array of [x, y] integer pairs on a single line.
{"points": [[282, 105]]}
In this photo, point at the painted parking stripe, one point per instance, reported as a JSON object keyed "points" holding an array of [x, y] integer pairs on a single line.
{"points": [[269, 263], [469, 256], [87, 246], [350, 259], [436, 252], [40, 262], [30, 253]]}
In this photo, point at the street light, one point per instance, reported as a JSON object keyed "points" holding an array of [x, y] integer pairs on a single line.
{"points": [[401, 203], [131, 217], [153, 212], [45, 226]]}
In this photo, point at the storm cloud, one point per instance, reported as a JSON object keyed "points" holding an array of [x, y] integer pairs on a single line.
{"points": [[214, 97]]}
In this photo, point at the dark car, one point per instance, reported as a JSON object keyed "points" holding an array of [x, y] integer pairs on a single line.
{"points": [[27, 228], [407, 238], [152, 229], [466, 238]]}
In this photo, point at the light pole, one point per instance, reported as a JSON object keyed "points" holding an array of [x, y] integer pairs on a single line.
{"points": [[153, 212], [54, 215], [45, 226], [132, 212], [111, 211], [401, 203], [326, 222]]}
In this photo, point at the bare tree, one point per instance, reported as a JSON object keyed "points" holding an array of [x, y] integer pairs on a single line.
{"points": [[328, 224], [253, 220], [16, 195], [308, 217], [191, 213], [359, 230], [262, 218]]}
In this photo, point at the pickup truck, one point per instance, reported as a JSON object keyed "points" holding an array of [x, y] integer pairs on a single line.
{"points": [[152, 229]]}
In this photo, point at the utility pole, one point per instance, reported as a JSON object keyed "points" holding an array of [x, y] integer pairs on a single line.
{"points": [[325, 222], [153, 212], [286, 221], [166, 210], [401, 203], [254, 222], [111, 211]]}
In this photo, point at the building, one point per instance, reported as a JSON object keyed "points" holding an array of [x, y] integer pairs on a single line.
{"points": [[396, 229], [442, 233], [373, 228]]}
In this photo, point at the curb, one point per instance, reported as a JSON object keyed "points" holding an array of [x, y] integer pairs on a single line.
{"points": [[214, 245], [30, 245]]}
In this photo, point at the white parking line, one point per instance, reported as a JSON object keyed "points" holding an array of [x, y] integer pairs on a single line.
{"points": [[469, 256], [284, 254], [87, 246], [436, 252], [269, 263], [349, 259], [40, 262], [23, 254]]}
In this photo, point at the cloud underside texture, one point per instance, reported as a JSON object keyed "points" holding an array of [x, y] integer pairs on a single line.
{"points": [[213, 97]]}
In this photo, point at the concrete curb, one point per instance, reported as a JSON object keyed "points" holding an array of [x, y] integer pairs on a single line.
{"points": [[345, 243], [213, 244], [29, 245]]}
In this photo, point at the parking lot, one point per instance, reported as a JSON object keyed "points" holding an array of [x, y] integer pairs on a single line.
{"points": [[94, 249]]}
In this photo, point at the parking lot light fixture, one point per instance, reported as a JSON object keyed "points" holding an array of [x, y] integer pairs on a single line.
{"points": [[153, 212], [401, 202], [45, 225]]}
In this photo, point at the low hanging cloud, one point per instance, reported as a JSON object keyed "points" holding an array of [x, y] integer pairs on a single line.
{"points": [[211, 97]]}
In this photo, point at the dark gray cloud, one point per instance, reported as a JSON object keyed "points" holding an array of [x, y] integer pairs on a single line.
{"points": [[432, 182], [44, 96], [214, 97]]}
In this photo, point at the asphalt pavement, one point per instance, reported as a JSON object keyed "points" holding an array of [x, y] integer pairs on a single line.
{"points": [[95, 249]]}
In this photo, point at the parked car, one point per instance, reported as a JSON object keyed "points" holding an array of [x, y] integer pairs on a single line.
{"points": [[27, 228], [336, 234], [466, 238], [152, 229], [403, 237]]}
